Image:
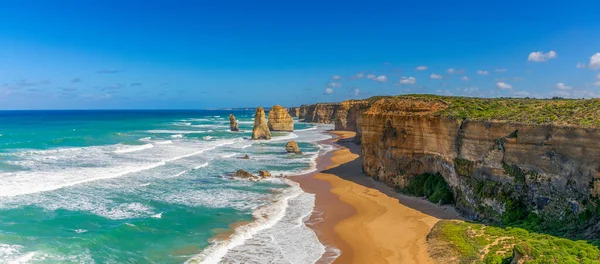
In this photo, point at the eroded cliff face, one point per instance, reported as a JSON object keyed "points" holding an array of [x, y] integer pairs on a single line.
{"points": [[294, 111], [280, 119], [348, 117], [493, 167], [323, 113]]}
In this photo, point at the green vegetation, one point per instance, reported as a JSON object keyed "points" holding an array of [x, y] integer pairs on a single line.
{"points": [[567, 112], [478, 243], [432, 186], [464, 167]]}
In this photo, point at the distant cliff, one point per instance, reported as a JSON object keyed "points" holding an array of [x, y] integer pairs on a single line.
{"points": [[323, 113], [502, 158]]}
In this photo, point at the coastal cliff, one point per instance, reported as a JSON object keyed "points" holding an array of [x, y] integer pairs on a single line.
{"points": [[323, 113], [348, 117], [501, 168], [503, 159]]}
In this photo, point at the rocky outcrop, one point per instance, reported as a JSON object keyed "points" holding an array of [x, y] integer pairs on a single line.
{"points": [[292, 147], [260, 130], [323, 113], [496, 169], [349, 117], [233, 125], [280, 119], [242, 174], [264, 174], [294, 111]]}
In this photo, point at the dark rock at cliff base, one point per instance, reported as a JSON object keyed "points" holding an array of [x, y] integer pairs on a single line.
{"points": [[260, 130], [242, 174], [233, 124], [292, 147], [280, 119], [244, 157], [264, 174]]}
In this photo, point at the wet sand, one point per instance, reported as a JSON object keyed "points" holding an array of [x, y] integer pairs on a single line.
{"points": [[367, 220]]}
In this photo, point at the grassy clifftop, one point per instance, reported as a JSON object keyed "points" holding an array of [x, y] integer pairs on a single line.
{"points": [[559, 112], [461, 242]]}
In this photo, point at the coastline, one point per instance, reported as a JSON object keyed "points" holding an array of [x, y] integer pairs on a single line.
{"points": [[368, 221]]}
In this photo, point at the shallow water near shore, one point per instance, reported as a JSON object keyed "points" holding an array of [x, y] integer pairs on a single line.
{"points": [[150, 186]]}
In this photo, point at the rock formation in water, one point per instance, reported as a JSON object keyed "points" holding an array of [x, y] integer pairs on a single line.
{"points": [[261, 129], [264, 174], [242, 174], [498, 169], [292, 147], [280, 119], [233, 125]]}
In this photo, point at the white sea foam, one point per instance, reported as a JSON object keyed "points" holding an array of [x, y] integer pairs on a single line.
{"points": [[228, 155], [177, 136], [201, 165], [56, 169], [166, 131], [134, 148], [306, 129], [267, 239], [159, 215]]}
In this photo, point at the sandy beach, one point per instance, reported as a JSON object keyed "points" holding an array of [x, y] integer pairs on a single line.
{"points": [[368, 220]]}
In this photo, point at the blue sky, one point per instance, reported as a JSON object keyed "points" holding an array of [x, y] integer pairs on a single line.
{"points": [[201, 54]]}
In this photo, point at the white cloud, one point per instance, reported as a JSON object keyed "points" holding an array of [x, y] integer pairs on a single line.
{"points": [[597, 83], [581, 65], [328, 91], [598, 76], [595, 61], [465, 79], [503, 86], [334, 85], [371, 76], [562, 86], [409, 80], [336, 78], [381, 78], [501, 70], [451, 70], [421, 68], [482, 72], [356, 91], [436, 76], [538, 56]]}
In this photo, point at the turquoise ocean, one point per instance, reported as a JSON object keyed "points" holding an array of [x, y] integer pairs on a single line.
{"points": [[152, 187]]}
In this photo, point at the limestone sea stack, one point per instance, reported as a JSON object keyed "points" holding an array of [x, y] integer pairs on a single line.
{"points": [[280, 119], [260, 130], [233, 125], [292, 147]]}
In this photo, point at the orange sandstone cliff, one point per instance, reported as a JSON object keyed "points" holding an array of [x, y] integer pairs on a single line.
{"points": [[540, 157], [323, 113]]}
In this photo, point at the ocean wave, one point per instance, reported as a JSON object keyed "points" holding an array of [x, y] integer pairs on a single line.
{"points": [[177, 136], [306, 129], [56, 176], [272, 222], [166, 131], [134, 148]]}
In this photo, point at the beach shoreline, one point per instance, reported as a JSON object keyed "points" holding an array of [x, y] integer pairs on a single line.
{"points": [[368, 221]]}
